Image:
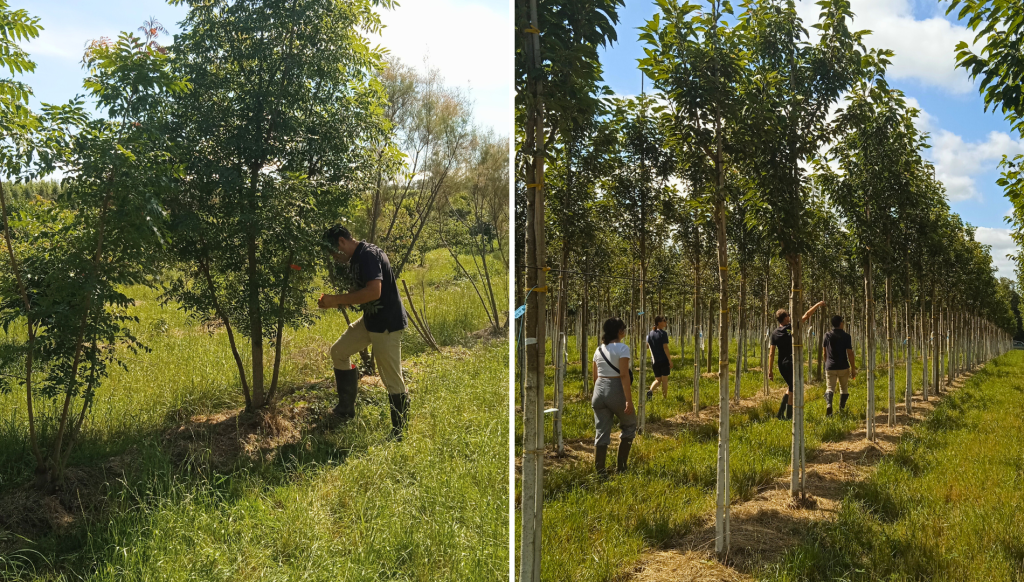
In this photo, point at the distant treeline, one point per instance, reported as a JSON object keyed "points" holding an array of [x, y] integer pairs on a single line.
{"points": [[48, 189]]}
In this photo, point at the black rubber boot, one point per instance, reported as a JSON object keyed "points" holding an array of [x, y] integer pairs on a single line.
{"points": [[600, 457], [782, 407], [624, 447], [348, 386], [789, 412], [399, 413], [828, 401], [842, 401]]}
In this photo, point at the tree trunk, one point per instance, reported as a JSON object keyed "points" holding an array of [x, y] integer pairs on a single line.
{"points": [[741, 353], [697, 336], [909, 390], [869, 310], [533, 406], [796, 309], [722, 492], [890, 350], [936, 362]]}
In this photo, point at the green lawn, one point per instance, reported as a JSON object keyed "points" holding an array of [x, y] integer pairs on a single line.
{"points": [[308, 500]]}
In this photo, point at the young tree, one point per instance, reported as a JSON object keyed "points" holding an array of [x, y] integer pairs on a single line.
{"points": [[698, 60], [792, 83], [878, 155], [637, 182], [275, 138], [477, 220], [78, 257], [570, 34]]}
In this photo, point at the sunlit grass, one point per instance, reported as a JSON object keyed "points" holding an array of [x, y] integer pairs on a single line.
{"points": [[671, 482], [947, 505], [338, 505]]}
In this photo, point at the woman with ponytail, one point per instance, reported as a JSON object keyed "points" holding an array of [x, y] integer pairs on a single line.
{"points": [[613, 395]]}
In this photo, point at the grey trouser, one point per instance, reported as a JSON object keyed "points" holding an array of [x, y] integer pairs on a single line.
{"points": [[609, 400], [842, 376], [387, 352]]}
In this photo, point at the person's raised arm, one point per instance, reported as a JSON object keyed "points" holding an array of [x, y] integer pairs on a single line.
{"points": [[811, 311]]}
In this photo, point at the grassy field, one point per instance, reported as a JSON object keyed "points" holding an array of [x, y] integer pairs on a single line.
{"points": [[947, 505], [170, 482], [670, 485]]}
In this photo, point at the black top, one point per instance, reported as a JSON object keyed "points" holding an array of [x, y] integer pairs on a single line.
{"points": [[369, 263], [656, 339], [782, 339], [837, 342]]}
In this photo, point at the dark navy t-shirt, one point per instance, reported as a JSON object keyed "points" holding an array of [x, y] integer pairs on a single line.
{"points": [[782, 339], [836, 343], [369, 263], [656, 339]]}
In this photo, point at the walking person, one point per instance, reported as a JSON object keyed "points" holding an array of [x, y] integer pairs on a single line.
{"points": [[782, 338], [839, 363], [613, 395], [661, 358], [381, 325]]}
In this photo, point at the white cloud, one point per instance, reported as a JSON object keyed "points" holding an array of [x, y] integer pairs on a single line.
{"points": [[1002, 244], [924, 122], [958, 162], [469, 43], [924, 48]]}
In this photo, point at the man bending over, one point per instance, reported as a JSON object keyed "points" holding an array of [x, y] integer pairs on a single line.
{"points": [[381, 325]]}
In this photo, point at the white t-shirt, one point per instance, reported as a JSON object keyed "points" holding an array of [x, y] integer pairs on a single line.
{"points": [[613, 351]]}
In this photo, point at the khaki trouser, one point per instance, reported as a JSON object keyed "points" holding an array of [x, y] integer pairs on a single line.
{"points": [[843, 376], [387, 352]]}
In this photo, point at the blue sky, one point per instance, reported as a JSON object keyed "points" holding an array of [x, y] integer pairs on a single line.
{"points": [[967, 143], [477, 57]]}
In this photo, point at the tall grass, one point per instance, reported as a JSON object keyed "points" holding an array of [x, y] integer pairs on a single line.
{"points": [[947, 505], [339, 504]]}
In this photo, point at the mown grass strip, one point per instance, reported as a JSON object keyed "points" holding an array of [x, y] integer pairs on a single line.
{"points": [[948, 504], [594, 531]]}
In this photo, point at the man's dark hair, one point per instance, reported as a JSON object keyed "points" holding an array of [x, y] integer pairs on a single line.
{"points": [[781, 315], [837, 320], [334, 233], [658, 319]]}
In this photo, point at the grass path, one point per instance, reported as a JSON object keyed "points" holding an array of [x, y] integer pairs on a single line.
{"points": [[766, 526], [669, 491], [946, 505]]}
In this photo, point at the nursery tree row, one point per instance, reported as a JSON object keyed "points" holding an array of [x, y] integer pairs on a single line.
{"points": [[767, 161]]}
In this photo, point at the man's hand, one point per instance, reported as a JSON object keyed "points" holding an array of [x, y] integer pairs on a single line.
{"points": [[629, 408], [329, 301], [853, 373], [771, 375]]}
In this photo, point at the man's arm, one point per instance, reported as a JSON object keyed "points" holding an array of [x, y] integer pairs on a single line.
{"points": [[364, 295], [668, 354], [853, 364], [812, 310], [771, 359]]}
